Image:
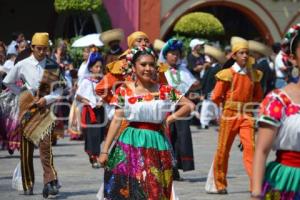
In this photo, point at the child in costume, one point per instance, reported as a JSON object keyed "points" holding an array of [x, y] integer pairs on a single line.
{"points": [[236, 89], [93, 113]]}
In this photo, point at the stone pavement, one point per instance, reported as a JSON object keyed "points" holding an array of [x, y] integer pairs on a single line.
{"points": [[81, 182]]}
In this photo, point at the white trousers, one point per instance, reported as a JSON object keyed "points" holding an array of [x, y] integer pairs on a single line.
{"points": [[209, 111]]}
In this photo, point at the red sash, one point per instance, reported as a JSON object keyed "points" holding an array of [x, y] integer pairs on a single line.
{"points": [[145, 125], [87, 110], [288, 158]]}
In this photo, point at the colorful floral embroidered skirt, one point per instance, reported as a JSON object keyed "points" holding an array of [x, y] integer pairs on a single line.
{"points": [[139, 167], [281, 182]]}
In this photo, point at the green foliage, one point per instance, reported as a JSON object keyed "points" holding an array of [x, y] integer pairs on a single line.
{"points": [[66, 6], [199, 24], [104, 18], [75, 53]]}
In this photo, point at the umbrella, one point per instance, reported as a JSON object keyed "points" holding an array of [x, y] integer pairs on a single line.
{"points": [[87, 40]]}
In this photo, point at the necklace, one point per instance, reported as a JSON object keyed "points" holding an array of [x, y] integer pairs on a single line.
{"points": [[177, 81]]}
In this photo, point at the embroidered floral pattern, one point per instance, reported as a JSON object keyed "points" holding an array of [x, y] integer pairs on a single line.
{"points": [[148, 97], [275, 109], [291, 110], [165, 93], [132, 100], [131, 169], [284, 98], [275, 106]]}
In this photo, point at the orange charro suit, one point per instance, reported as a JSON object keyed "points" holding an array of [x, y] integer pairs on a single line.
{"points": [[234, 90]]}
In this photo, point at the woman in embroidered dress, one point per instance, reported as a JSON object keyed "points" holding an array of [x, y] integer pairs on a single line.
{"points": [[92, 116], [178, 76], [279, 128], [139, 165], [9, 111]]}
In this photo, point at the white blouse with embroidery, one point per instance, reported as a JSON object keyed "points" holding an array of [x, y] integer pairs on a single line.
{"points": [[278, 110], [150, 108]]}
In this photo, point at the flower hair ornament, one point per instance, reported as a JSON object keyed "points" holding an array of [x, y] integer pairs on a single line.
{"points": [[287, 43], [133, 54]]}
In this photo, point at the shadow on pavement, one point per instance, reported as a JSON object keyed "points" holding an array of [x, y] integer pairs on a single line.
{"points": [[65, 195], [194, 180], [6, 178], [37, 156], [68, 144], [239, 192]]}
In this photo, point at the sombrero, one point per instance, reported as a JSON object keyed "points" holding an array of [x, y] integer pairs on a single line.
{"points": [[259, 48], [112, 35], [215, 53], [158, 44]]}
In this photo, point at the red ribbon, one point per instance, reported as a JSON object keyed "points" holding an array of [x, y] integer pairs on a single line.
{"points": [[87, 110], [144, 125], [289, 158]]}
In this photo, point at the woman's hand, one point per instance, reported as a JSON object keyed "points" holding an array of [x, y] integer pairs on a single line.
{"points": [[103, 158], [170, 119], [41, 102]]}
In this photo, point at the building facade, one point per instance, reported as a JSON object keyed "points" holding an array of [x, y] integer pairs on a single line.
{"points": [[269, 19]]}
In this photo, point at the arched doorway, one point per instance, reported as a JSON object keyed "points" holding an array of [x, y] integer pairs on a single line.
{"points": [[237, 19], [234, 22]]}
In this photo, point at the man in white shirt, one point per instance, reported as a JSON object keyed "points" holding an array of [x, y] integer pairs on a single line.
{"points": [[280, 70], [36, 74]]}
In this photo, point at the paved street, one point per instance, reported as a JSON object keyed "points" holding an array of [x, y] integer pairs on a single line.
{"points": [[81, 182]]}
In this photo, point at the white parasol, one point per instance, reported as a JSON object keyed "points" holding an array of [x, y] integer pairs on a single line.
{"points": [[87, 40]]}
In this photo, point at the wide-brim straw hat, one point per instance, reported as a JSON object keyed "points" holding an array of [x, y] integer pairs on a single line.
{"points": [[236, 39], [215, 53], [158, 44], [259, 48], [112, 35]]}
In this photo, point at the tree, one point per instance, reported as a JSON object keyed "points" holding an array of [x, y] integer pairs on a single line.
{"points": [[80, 10], [199, 24]]}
